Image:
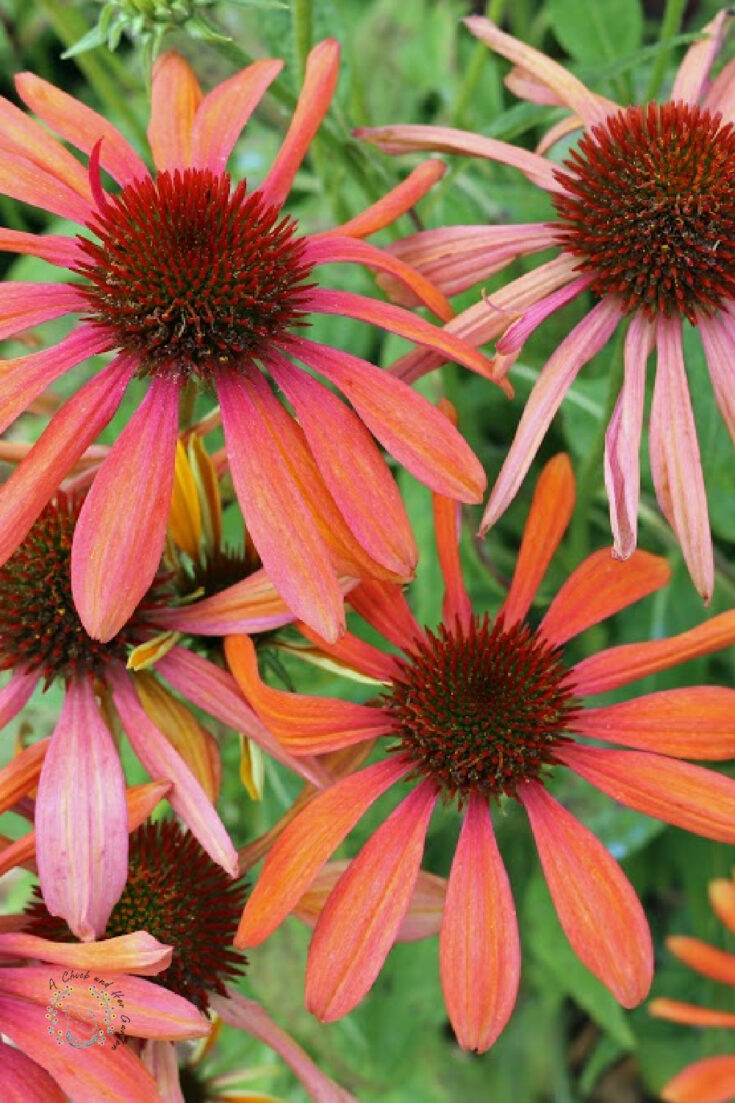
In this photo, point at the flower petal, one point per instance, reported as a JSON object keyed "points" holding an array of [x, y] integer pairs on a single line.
{"points": [[16, 693], [121, 530], [222, 114], [81, 817], [138, 953], [708, 960], [20, 775], [23, 305], [175, 97], [690, 1014], [692, 797], [601, 915], [361, 917], [24, 1081], [456, 605], [317, 90], [394, 203], [693, 75], [599, 587], [479, 950], [711, 1080], [718, 339], [303, 724], [548, 517], [55, 248], [385, 607], [307, 843], [187, 797], [691, 722], [577, 349], [253, 605], [722, 901]]}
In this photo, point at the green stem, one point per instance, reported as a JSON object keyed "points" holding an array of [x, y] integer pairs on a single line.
{"points": [[670, 27], [301, 26], [473, 72], [109, 78], [589, 473]]}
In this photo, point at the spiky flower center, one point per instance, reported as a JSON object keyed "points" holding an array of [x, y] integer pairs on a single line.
{"points": [[192, 277], [40, 628], [181, 897], [481, 710], [649, 207]]}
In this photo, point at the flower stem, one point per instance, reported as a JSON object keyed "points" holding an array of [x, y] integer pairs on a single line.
{"points": [[301, 26], [473, 71], [670, 26]]}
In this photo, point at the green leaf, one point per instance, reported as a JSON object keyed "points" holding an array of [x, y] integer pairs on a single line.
{"points": [[592, 32]]}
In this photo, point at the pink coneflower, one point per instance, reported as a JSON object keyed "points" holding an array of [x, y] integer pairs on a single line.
{"points": [[645, 212], [479, 711], [81, 814], [192, 279]]}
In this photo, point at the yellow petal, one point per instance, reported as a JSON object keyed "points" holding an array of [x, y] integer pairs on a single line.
{"points": [[184, 520]]}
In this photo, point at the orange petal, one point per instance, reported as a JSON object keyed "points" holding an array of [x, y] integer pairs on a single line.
{"points": [[548, 517], [703, 958], [688, 796], [21, 774], [394, 203], [619, 665], [184, 519], [722, 899], [384, 606], [677, 1012], [307, 843], [175, 97], [356, 654], [303, 724], [600, 913], [479, 951], [361, 917], [709, 1081], [692, 722], [138, 953], [222, 114], [599, 587]]}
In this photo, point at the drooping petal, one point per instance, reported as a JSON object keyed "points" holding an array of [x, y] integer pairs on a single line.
{"points": [[333, 248], [20, 775], [588, 105], [692, 797], [253, 605], [690, 1014], [629, 661], [175, 97], [26, 377], [317, 89], [288, 542], [92, 1075], [222, 114], [247, 1015], [62, 443], [307, 843], [693, 74], [16, 693], [121, 530], [187, 796], [422, 439], [708, 960], [510, 345], [352, 467], [623, 439], [303, 724], [548, 517], [361, 917], [577, 349], [690, 722], [24, 1081], [718, 339], [479, 950], [81, 817], [711, 1080], [676, 466], [394, 203], [138, 953], [83, 127], [601, 915], [599, 587]]}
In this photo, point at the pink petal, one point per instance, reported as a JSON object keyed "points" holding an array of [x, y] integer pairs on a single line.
{"points": [[15, 694], [307, 843], [138, 952], [24, 1081], [317, 90], [720, 95], [55, 248], [24, 180], [217, 693], [364, 911], [479, 951], [162, 1061], [676, 466], [385, 607], [599, 587], [27, 143], [247, 1015], [23, 305], [601, 915], [352, 467], [83, 127], [623, 439], [250, 606], [82, 817], [693, 76], [288, 542], [222, 114], [26, 377], [718, 338], [175, 97], [62, 443], [511, 343], [576, 350], [692, 797], [394, 203], [187, 797], [119, 537], [422, 439], [97, 1074]]}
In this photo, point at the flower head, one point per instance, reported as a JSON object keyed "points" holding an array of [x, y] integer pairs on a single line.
{"points": [[645, 207], [193, 279], [711, 1080], [476, 712]]}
